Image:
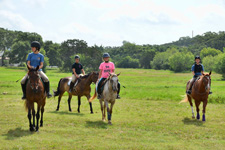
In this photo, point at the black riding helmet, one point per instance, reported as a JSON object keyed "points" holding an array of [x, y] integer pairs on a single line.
{"points": [[36, 44], [77, 56], [105, 55], [197, 57]]}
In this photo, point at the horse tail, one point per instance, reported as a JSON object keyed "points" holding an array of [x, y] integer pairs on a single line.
{"points": [[184, 100], [56, 93], [26, 105], [93, 97]]}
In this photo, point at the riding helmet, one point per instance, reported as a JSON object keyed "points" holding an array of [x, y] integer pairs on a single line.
{"points": [[197, 57], [105, 55], [36, 44], [77, 56]]}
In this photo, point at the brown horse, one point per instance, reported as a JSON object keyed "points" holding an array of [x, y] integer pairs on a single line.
{"points": [[109, 95], [200, 92], [83, 88], [35, 93]]}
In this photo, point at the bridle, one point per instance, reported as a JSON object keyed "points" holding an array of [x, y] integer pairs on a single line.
{"points": [[207, 83]]}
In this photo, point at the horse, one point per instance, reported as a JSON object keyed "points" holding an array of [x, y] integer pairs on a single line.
{"points": [[109, 95], [200, 92], [83, 88], [35, 93]]}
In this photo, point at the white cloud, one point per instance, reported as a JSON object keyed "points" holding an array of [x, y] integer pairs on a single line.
{"points": [[36, 3], [15, 21]]}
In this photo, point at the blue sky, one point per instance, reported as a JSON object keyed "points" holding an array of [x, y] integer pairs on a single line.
{"points": [[109, 22]]}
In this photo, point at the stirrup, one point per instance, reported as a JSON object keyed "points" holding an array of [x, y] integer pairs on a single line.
{"points": [[99, 96], [210, 92], [24, 97], [188, 92], [118, 96], [49, 95]]}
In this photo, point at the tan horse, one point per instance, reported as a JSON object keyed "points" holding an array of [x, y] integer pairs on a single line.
{"points": [[35, 93], [83, 88], [109, 95], [200, 92]]}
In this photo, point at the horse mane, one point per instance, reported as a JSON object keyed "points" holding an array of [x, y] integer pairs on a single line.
{"points": [[87, 75]]}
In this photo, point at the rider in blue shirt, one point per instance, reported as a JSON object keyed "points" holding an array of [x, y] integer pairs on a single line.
{"points": [[197, 70], [33, 60]]}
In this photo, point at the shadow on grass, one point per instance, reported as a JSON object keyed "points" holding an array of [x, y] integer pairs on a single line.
{"points": [[96, 124], [17, 133], [66, 113], [189, 121]]}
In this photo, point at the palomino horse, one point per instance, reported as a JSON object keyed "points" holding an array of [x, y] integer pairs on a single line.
{"points": [[109, 95], [35, 93], [200, 92], [83, 88]]}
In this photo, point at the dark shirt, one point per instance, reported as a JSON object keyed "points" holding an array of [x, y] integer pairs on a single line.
{"points": [[78, 67]]}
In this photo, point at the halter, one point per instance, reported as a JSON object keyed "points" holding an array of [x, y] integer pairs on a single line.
{"points": [[35, 85], [206, 86]]}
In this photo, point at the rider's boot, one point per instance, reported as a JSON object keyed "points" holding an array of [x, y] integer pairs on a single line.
{"points": [[71, 87], [24, 91], [47, 89]]}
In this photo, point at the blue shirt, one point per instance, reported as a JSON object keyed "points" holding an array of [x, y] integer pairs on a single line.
{"points": [[35, 59], [197, 73]]}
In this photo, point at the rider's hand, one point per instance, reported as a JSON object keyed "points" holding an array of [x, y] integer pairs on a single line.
{"points": [[77, 76]]}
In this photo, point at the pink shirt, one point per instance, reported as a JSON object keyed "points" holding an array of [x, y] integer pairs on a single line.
{"points": [[106, 68]]}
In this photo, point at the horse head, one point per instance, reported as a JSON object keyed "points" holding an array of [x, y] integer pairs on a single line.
{"points": [[206, 79], [94, 76], [113, 78], [33, 77]]}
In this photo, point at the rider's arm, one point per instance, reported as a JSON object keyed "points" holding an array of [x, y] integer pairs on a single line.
{"points": [[74, 72], [100, 74], [83, 71], [41, 65], [113, 71], [193, 73], [202, 72], [28, 64]]}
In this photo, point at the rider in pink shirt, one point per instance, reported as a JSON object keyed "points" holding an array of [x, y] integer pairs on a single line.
{"points": [[105, 68]]}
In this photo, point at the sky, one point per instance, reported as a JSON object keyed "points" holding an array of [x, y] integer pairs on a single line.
{"points": [[110, 22]]}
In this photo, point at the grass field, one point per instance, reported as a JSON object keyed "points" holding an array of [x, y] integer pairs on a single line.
{"points": [[148, 116]]}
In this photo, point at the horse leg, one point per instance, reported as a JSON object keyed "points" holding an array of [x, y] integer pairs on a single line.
{"points": [[102, 109], [33, 113], [79, 103], [190, 101], [90, 103], [59, 99], [197, 103], [29, 117], [38, 116], [204, 108], [110, 113], [42, 113], [69, 101]]}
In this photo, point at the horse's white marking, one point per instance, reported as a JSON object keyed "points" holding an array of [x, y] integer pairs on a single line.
{"points": [[193, 115]]}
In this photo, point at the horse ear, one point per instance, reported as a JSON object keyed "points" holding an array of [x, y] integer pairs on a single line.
{"points": [[110, 74], [37, 68], [118, 74], [210, 72]]}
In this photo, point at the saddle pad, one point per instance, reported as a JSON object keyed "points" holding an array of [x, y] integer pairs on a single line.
{"points": [[69, 82]]}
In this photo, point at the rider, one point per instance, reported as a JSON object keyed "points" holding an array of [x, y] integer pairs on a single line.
{"points": [[33, 60], [105, 68], [197, 70], [77, 68]]}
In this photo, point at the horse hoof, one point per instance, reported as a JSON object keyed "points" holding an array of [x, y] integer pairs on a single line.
{"points": [[92, 113], [57, 110], [70, 110], [110, 123], [41, 125], [32, 129], [193, 117]]}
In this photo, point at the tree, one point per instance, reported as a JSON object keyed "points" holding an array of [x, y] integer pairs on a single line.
{"points": [[128, 62], [181, 61], [146, 58], [209, 62], [209, 52], [19, 52], [220, 65]]}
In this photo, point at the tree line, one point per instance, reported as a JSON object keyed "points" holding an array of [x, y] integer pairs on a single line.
{"points": [[177, 56]]}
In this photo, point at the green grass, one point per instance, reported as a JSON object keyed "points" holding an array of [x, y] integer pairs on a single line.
{"points": [[148, 116]]}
